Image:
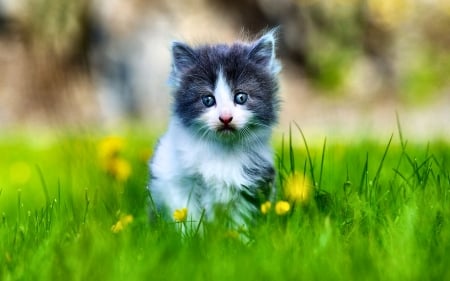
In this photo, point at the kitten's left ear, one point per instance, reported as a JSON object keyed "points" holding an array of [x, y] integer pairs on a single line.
{"points": [[263, 52]]}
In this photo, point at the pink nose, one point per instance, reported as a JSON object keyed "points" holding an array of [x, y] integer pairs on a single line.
{"points": [[226, 119]]}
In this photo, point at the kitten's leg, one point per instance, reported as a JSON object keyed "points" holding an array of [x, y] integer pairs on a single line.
{"points": [[252, 197], [169, 195]]}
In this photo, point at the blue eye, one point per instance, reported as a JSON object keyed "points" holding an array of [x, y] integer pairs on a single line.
{"points": [[240, 98], [208, 100]]}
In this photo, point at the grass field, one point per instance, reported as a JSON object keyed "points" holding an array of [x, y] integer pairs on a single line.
{"points": [[74, 207]]}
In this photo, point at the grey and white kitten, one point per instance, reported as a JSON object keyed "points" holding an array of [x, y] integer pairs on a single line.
{"points": [[215, 154]]}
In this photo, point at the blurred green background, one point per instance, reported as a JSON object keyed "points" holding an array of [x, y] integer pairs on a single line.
{"points": [[349, 65]]}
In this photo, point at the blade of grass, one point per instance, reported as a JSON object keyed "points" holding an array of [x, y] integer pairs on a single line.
{"points": [[404, 143], [405, 179], [59, 195], [364, 176], [291, 151], [281, 160], [87, 201], [153, 210], [311, 166], [19, 205], [380, 166], [202, 217], [322, 163], [282, 149], [43, 184], [400, 132]]}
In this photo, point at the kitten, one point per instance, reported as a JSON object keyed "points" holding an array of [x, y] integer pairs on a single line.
{"points": [[215, 154]]}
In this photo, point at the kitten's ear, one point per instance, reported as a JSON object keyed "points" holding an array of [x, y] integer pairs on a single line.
{"points": [[263, 52], [183, 56]]}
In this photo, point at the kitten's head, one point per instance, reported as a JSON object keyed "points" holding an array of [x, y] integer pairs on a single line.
{"points": [[226, 92]]}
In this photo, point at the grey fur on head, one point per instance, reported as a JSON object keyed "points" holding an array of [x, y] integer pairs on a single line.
{"points": [[251, 67], [261, 51]]}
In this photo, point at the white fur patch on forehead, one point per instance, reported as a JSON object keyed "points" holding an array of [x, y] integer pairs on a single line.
{"points": [[222, 92], [225, 107]]}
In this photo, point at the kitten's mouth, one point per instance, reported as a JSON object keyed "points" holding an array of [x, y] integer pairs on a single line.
{"points": [[226, 129]]}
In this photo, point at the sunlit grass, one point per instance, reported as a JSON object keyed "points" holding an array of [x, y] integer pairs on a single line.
{"points": [[365, 211]]}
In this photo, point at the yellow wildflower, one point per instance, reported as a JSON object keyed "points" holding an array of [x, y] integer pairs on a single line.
{"points": [[265, 207], [282, 208], [297, 188], [120, 169], [110, 147], [180, 215], [109, 151], [122, 223]]}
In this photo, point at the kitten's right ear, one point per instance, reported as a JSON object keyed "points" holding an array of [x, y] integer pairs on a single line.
{"points": [[183, 56]]}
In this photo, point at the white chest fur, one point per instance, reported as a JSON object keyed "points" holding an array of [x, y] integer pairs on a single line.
{"points": [[194, 173]]}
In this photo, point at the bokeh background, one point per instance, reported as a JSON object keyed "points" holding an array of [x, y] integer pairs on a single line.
{"points": [[349, 66]]}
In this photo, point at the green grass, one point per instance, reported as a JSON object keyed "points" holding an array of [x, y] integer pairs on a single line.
{"points": [[380, 211]]}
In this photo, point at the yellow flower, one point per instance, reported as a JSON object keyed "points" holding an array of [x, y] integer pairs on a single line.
{"points": [[297, 188], [110, 147], [122, 223], [109, 151], [282, 208], [180, 215], [120, 169], [265, 207]]}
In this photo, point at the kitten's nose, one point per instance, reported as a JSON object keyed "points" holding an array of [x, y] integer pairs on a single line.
{"points": [[225, 119]]}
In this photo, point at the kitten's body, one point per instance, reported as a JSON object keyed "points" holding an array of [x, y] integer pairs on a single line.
{"points": [[215, 153]]}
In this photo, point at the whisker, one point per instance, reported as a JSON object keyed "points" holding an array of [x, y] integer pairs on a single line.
{"points": [[247, 134], [252, 122]]}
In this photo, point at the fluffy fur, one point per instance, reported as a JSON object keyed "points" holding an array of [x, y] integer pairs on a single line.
{"points": [[215, 154]]}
